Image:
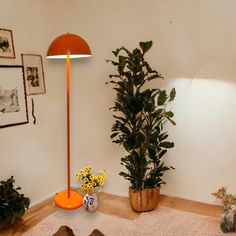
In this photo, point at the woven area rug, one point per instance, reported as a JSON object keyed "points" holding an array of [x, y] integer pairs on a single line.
{"points": [[161, 222]]}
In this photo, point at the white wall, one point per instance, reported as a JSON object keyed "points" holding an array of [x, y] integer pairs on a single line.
{"points": [[194, 48]]}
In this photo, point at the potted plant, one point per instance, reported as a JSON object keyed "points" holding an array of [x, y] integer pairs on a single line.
{"points": [[90, 183], [12, 203], [228, 217], [140, 114]]}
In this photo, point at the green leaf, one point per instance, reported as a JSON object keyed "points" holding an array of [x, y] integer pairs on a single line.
{"points": [[114, 63], [162, 153], [114, 135], [155, 76], [120, 118], [122, 59], [163, 136], [162, 98], [171, 121], [167, 144], [172, 94], [169, 114], [152, 152], [145, 46]]}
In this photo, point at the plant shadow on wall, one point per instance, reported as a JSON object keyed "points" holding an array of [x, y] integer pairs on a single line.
{"points": [[140, 115]]}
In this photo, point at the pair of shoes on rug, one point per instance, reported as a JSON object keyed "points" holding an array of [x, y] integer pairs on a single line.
{"points": [[67, 231]]}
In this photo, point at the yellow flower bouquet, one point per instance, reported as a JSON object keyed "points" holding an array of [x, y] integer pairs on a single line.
{"points": [[91, 181]]}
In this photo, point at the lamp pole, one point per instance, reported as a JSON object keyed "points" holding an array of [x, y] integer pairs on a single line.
{"points": [[68, 122]]}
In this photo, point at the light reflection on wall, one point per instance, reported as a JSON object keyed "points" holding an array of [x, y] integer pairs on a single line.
{"points": [[205, 136]]}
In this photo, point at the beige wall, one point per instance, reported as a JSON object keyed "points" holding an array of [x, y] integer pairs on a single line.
{"points": [[194, 48]]}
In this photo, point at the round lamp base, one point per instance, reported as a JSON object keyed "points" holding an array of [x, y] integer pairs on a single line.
{"points": [[68, 203]]}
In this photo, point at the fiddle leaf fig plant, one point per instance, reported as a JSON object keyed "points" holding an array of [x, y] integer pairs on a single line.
{"points": [[140, 115], [12, 203]]}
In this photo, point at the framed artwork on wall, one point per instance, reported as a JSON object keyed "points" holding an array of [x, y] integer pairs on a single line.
{"points": [[34, 74], [13, 105], [6, 44]]}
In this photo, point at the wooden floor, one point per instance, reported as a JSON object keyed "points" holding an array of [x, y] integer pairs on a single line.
{"points": [[108, 204]]}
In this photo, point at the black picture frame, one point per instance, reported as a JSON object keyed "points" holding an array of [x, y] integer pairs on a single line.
{"points": [[7, 49], [13, 103]]}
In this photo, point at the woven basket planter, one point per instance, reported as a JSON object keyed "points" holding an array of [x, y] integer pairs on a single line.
{"points": [[144, 200]]}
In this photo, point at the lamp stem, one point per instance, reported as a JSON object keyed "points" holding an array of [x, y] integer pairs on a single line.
{"points": [[68, 122], [68, 199]]}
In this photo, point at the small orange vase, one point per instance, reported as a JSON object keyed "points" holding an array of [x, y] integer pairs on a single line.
{"points": [[144, 200]]}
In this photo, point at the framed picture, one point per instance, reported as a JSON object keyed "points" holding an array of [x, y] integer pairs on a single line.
{"points": [[13, 105], [6, 44], [34, 74]]}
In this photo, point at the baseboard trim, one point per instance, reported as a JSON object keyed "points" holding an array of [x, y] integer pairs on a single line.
{"points": [[37, 202], [122, 194]]}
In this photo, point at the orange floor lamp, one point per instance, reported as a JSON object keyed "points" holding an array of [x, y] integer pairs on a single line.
{"points": [[68, 46]]}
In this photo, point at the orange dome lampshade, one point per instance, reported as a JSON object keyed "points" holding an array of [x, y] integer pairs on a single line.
{"points": [[68, 46]]}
